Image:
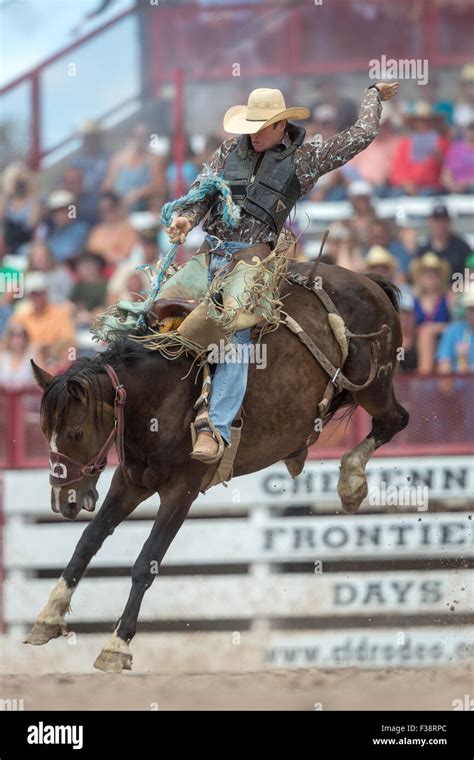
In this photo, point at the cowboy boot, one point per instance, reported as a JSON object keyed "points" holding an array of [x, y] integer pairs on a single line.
{"points": [[207, 448]]}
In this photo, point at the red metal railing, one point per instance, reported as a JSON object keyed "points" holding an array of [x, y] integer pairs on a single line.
{"points": [[33, 78], [441, 422], [287, 40]]}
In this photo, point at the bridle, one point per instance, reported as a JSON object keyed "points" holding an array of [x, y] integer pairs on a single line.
{"points": [[63, 471]]}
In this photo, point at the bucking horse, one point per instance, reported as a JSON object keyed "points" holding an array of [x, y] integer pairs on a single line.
{"points": [[311, 372]]}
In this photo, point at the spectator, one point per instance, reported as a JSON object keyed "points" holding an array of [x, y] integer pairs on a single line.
{"points": [[89, 293], [416, 166], [67, 234], [464, 109], [20, 206], [408, 239], [127, 284], [458, 168], [360, 194], [87, 203], [15, 366], [330, 187], [135, 173], [444, 108], [380, 261], [380, 235], [60, 281], [431, 278], [409, 358], [339, 249], [92, 160], [373, 164], [443, 242], [456, 347], [49, 326], [147, 228], [114, 237]]}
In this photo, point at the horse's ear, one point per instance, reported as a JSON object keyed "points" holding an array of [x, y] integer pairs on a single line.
{"points": [[43, 378]]}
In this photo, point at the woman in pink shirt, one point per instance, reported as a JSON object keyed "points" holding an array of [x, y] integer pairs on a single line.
{"points": [[416, 166]]}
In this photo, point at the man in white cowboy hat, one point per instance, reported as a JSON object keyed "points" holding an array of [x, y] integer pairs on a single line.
{"points": [[268, 167]]}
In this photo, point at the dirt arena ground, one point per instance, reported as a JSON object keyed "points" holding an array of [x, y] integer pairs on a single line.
{"points": [[348, 689]]}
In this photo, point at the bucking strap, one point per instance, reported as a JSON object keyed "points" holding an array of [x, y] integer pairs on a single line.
{"points": [[338, 379]]}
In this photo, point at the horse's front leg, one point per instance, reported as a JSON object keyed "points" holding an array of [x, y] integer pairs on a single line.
{"points": [[175, 504], [122, 498]]}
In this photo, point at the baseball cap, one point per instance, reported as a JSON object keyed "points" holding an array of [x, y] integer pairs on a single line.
{"points": [[440, 212]]}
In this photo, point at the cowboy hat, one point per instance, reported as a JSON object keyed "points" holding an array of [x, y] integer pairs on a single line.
{"points": [[377, 255], [264, 107], [60, 199], [430, 260], [36, 282]]}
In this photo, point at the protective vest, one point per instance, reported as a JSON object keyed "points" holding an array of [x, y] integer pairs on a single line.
{"points": [[265, 184]]}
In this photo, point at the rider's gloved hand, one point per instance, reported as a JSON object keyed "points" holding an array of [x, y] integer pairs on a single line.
{"points": [[178, 229]]}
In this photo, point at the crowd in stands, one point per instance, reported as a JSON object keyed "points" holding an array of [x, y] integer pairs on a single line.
{"points": [[71, 252]]}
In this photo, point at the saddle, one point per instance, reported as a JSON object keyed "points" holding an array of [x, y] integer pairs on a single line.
{"points": [[168, 313]]}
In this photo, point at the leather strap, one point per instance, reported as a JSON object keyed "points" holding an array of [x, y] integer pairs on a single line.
{"points": [[119, 403], [64, 471], [338, 379]]}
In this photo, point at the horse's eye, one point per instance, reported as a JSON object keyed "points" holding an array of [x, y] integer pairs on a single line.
{"points": [[76, 436]]}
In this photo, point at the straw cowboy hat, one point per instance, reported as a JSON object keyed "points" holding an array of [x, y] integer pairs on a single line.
{"points": [[430, 260], [264, 107], [377, 255]]}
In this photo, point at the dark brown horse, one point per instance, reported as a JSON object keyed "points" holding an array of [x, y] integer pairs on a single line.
{"points": [[280, 408]]}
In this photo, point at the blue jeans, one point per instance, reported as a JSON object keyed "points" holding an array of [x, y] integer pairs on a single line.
{"points": [[230, 377]]}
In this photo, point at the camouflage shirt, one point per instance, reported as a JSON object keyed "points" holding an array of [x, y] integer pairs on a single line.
{"points": [[312, 160]]}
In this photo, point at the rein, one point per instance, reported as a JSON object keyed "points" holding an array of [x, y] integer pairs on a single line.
{"points": [[63, 471]]}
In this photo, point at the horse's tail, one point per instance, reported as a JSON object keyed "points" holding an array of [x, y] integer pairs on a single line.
{"points": [[388, 288]]}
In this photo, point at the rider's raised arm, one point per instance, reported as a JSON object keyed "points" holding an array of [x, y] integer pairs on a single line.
{"points": [[316, 159], [216, 164]]}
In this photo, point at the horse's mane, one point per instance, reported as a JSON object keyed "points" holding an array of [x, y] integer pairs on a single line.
{"points": [[80, 381]]}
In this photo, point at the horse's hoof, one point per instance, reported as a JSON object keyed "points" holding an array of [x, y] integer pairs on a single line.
{"points": [[113, 662], [41, 633]]}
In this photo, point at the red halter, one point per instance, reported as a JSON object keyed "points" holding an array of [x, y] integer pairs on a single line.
{"points": [[63, 471]]}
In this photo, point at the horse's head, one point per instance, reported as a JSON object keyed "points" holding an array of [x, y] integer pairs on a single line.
{"points": [[76, 421]]}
